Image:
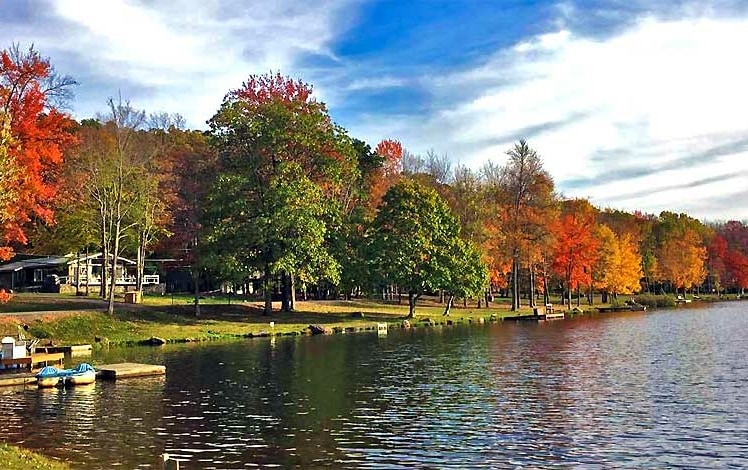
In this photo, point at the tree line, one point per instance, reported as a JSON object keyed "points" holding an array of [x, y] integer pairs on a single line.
{"points": [[275, 190]]}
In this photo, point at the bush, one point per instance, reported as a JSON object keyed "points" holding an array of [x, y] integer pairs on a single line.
{"points": [[5, 296], [655, 301]]}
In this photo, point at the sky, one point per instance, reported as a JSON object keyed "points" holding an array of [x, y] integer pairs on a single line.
{"points": [[634, 104]]}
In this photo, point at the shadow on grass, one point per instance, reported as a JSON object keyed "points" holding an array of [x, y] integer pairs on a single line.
{"points": [[242, 313]]}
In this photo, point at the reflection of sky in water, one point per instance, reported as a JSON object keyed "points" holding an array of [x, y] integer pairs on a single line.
{"points": [[654, 389]]}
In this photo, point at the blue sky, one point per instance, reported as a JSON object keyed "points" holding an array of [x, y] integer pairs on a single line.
{"points": [[634, 104]]}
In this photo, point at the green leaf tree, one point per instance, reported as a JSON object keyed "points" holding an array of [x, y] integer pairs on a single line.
{"points": [[284, 172], [415, 243]]}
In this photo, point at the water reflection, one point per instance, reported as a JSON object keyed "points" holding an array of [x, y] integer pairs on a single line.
{"points": [[658, 389]]}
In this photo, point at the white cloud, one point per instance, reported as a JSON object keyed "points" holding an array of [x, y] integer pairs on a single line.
{"points": [[628, 110], [179, 56], [663, 89]]}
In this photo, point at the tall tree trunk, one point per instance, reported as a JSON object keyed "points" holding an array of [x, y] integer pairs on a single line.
{"points": [[266, 282], [196, 290], [139, 263], [115, 256], [412, 304], [533, 304], [515, 284], [104, 263], [285, 292], [546, 294], [450, 299], [77, 273], [88, 271], [293, 292]]}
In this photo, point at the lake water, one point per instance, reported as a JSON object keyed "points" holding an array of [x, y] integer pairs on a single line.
{"points": [[659, 390]]}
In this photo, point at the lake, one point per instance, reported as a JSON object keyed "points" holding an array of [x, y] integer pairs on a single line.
{"points": [[654, 389]]}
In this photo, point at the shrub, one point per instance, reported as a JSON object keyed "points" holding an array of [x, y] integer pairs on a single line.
{"points": [[5, 296], [655, 301]]}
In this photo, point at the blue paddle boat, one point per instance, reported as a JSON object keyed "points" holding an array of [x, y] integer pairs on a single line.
{"points": [[52, 376]]}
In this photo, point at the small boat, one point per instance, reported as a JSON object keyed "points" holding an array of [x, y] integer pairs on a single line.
{"points": [[83, 374], [51, 376], [48, 377]]}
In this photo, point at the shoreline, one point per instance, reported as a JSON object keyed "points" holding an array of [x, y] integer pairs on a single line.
{"points": [[13, 456], [157, 322]]}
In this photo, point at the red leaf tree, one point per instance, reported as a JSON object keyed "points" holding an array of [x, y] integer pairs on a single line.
{"points": [[39, 133]]}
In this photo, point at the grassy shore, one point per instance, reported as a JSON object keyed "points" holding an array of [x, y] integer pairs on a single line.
{"points": [[173, 318], [12, 457], [75, 320]]}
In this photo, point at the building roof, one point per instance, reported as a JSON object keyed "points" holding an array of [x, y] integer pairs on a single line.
{"points": [[47, 262], [52, 262]]}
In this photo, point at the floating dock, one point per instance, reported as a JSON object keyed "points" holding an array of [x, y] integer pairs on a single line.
{"points": [[125, 370], [16, 380], [103, 372]]}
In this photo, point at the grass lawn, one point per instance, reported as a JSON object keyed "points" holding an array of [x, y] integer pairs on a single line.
{"points": [[172, 318], [12, 457], [71, 320]]}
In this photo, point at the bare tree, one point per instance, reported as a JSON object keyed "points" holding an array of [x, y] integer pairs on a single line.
{"points": [[438, 167]]}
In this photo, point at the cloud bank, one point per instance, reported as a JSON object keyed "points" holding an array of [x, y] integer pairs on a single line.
{"points": [[641, 106], [652, 117]]}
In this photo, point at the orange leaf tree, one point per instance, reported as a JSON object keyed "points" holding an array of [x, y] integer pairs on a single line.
{"points": [[575, 250], [35, 135], [383, 177], [682, 259], [524, 197]]}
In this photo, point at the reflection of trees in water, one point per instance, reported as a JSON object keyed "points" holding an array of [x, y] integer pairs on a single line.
{"points": [[93, 424], [572, 392], [530, 373]]}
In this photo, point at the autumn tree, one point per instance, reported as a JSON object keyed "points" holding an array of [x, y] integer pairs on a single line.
{"points": [[157, 189], [623, 269], [8, 172], [118, 169], [193, 166], [717, 263], [35, 134], [575, 250], [274, 138], [415, 244], [526, 203], [680, 249], [384, 175], [682, 259]]}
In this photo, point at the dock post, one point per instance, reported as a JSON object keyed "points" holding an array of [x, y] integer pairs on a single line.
{"points": [[169, 463]]}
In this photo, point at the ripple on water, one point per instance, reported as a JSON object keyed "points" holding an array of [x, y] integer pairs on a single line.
{"points": [[656, 390]]}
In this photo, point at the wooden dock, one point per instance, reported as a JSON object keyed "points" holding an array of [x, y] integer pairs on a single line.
{"points": [[17, 380], [72, 351], [540, 317], [35, 359], [128, 369]]}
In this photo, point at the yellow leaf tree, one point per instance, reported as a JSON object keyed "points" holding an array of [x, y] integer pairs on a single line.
{"points": [[682, 260], [619, 269]]}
